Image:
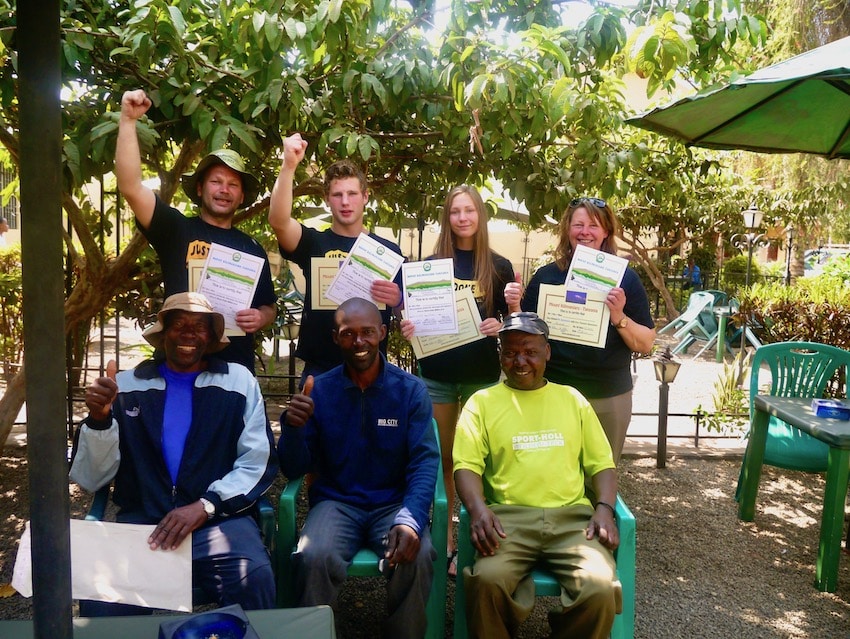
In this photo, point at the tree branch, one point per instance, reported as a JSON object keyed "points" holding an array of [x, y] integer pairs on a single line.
{"points": [[422, 17]]}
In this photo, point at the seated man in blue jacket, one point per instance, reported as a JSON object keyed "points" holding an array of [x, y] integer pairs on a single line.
{"points": [[364, 428], [187, 441]]}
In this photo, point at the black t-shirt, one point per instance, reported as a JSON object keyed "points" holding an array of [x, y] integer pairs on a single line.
{"points": [[178, 239], [478, 361], [595, 372], [315, 340]]}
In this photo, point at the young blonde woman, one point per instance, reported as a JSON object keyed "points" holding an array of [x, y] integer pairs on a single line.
{"points": [[602, 375], [452, 376]]}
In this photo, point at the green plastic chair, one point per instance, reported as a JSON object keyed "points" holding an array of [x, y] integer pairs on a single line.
{"points": [[546, 585], [797, 369], [697, 302], [720, 297], [365, 562]]}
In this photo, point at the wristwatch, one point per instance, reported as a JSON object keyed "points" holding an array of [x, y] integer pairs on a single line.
{"points": [[209, 507], [623, 322]]}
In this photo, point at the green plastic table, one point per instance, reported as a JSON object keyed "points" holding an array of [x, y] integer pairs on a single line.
{"points": [[285, 623], [836, 433]]}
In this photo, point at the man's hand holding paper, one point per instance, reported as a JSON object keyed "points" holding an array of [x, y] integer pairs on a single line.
{"points": [[368, 263]]}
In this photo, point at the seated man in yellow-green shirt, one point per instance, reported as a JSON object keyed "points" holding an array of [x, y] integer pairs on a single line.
{"points": [[522, 452]]}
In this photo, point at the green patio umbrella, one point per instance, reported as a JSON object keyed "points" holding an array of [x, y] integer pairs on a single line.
{"points": [[801, 105]]}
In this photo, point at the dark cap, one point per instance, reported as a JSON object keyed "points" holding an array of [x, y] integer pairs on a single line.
{"points": [[526, 322]]}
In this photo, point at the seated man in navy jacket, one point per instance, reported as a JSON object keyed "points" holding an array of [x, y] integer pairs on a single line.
{"points": [[187, 441], [364, 428]]}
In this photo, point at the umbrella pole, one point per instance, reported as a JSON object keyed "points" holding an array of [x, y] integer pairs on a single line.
{"points": [[43, 314]]}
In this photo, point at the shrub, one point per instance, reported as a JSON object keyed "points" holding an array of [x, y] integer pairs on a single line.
{"points": [[838, 268], [735, 274], [814, 309], [11, 310]]}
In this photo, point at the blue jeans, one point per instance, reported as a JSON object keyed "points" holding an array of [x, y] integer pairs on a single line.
{"points": [[229, 563], [332, 535]]}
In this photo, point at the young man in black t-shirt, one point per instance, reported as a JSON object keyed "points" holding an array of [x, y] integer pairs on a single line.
{"points": [[346, 193]]}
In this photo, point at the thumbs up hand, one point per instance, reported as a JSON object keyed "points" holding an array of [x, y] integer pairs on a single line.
{"points": [[101, 393], [308, 386], [300, 406], [513, 293]]}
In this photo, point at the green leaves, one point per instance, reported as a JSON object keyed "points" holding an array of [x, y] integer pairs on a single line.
{"points": [[373, 81]]}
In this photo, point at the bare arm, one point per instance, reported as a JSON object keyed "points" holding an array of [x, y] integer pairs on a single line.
{"points": [[602, 523], [638, 338], [128, 160], [287, 230], [485, 529]]}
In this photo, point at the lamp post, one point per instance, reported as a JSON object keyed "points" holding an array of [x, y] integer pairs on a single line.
{"points": [[789, 233], [748, 240], [290, 330], [666, 369]]}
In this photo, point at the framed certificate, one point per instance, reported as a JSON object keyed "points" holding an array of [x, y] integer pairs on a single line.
{"points": [[323, 270], [578, 317], [468, 321]]}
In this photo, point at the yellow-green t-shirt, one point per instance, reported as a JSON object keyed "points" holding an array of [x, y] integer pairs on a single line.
{"points": [[531, 448]]}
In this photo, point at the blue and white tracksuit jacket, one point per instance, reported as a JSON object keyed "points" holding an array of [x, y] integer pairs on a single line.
{"points": [[228, 458]]}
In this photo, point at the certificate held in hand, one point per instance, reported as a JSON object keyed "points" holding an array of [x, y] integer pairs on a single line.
{"points": [[578, 317], [468, 321]]}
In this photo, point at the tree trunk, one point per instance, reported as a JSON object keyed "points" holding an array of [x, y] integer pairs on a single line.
{"points": [[92, 292], [10, 405], [654, 274]]}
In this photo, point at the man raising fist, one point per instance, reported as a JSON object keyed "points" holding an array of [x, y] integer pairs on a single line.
{"points": [[219, 187]]}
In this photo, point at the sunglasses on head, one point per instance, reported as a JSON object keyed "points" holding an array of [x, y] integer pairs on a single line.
{"points": [[593, 200]]}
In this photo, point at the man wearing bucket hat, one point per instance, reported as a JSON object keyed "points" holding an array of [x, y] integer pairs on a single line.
{"points": [[346, 194], [219, 186], [188, 444], [521, 454]]}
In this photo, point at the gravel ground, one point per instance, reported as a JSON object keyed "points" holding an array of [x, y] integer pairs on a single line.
{"points": [[700, 572]]}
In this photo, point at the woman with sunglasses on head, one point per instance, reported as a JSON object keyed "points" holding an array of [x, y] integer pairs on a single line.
{"points": [[453, 375], [602, 375]]}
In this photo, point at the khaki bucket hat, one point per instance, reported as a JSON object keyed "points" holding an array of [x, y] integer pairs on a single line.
{"points": [[192, 303], [250, 184]]}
